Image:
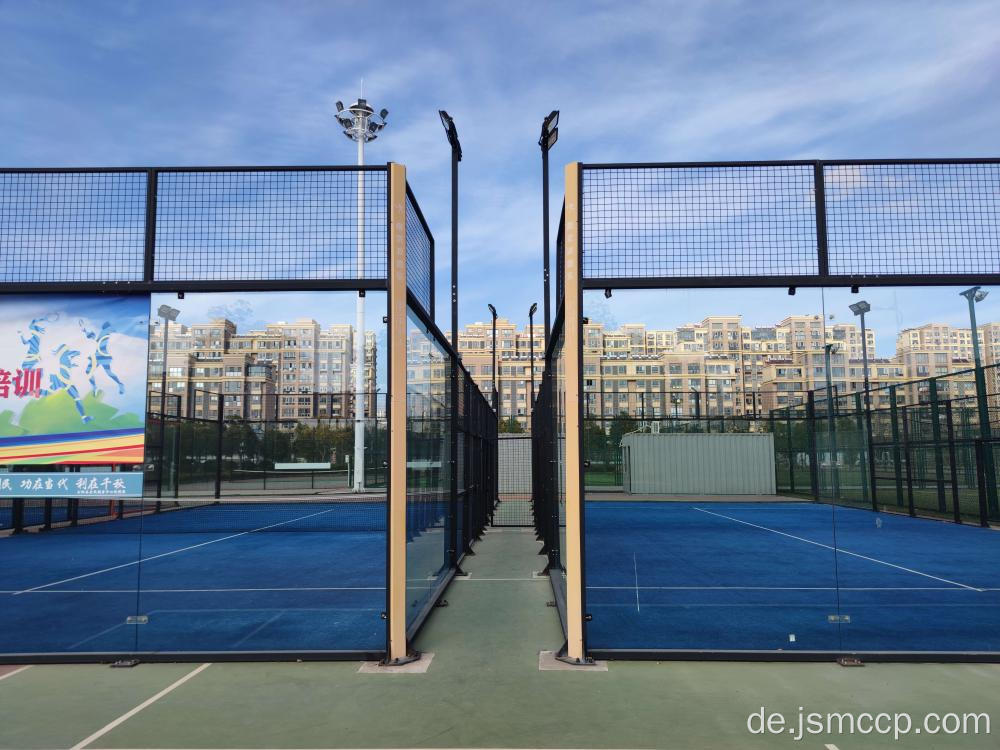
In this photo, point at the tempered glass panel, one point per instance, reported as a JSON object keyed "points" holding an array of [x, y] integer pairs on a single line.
{"points": [[289, 557], [704, 543], [915, 567], [68, 587], [428, 436]]}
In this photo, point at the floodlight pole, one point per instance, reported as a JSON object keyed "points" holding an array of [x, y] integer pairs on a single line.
{"points": [[831, 416], [531, 340], [550, 133], [496, 399], [163, 406], [359, 344], [974, 295], [361, 124], [860, 309], [167, 313]]}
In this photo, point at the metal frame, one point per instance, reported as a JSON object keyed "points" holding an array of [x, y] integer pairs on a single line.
{"points": [[397, 634], [822, 277], [572, 282]]}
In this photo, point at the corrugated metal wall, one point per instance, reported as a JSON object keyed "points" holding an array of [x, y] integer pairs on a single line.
{"points": [[686, 464]]}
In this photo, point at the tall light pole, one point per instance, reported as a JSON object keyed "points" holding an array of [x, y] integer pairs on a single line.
{"points": [[496, 400], [548, 138], [974, 295], [168, 313], [860, 308], [456, 157], [361, 125], [531, 339], [828, 350]]}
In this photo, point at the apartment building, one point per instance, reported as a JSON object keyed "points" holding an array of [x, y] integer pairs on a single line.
{"points": [[284, 371]]}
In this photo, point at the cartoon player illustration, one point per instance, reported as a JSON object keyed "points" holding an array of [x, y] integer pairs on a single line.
{"points": [[61, 381], [34, 341], [101, 356]]}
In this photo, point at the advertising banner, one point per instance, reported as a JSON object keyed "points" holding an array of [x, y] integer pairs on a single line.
{"points": [[73, 379], [63, 484]]}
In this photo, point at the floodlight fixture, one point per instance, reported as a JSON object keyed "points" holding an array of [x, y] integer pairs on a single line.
{"points": [[360, 122], [168, 312], [860, 308], [791, 291], [452, 132]]}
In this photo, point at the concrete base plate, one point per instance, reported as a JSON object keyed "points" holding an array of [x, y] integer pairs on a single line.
{"points": [[547, 662], [420, 666]]}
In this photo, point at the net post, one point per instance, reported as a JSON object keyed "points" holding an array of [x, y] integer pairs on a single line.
{"points": [[396, 625], [572, 351]]}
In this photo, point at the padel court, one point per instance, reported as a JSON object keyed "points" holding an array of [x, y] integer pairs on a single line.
{"points": [[780, 574], [199, 576]]}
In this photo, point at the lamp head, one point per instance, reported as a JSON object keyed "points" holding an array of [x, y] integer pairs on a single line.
{"points": [[860, 308], [975, 294], [167, 312], [493, 311], [532, 309]]}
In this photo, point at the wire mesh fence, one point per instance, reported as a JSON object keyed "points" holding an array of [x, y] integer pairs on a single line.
{"points": [[78, 226], [815, 220]]}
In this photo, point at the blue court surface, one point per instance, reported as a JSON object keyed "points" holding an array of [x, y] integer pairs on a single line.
{"points": [[787, 576], [230, 576]]}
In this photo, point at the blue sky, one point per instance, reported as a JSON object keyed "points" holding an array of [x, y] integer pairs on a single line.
{"points": [[132, 83]]}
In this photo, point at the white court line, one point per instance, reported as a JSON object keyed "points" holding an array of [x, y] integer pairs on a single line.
{"points": [[257, 629], [474, 579], [145, 704], [173, 552], [192, 591], [786, 588], [839, 550], [635, 567], [16, 671]]}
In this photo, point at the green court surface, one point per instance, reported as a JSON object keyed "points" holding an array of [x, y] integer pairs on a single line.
{"points": [[483, 690]]}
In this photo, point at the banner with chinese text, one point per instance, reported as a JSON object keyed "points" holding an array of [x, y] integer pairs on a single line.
{"points": [[73, 379], [48, 483]]}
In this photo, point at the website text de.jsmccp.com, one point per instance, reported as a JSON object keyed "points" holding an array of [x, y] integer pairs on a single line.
{"points": [[846, 723]]}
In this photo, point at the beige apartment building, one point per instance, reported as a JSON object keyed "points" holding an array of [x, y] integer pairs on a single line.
{"points": [[720, 366], [285, 371]]}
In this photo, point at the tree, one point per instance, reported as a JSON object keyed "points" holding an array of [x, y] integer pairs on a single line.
{"points": [[511, 425]]}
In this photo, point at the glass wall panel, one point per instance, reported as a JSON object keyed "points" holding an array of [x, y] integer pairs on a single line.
{"points": [[428, 478], [911, 470], [261, 539], [703, 529]]}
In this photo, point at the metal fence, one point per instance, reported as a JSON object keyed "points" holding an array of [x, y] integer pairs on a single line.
{"points": [[514, 507], [243, 481], [658, 579], [186, 228], [806, 223]]}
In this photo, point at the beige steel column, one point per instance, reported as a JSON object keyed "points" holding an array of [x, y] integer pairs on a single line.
{"points": [[573, 560], [397, 421]]}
